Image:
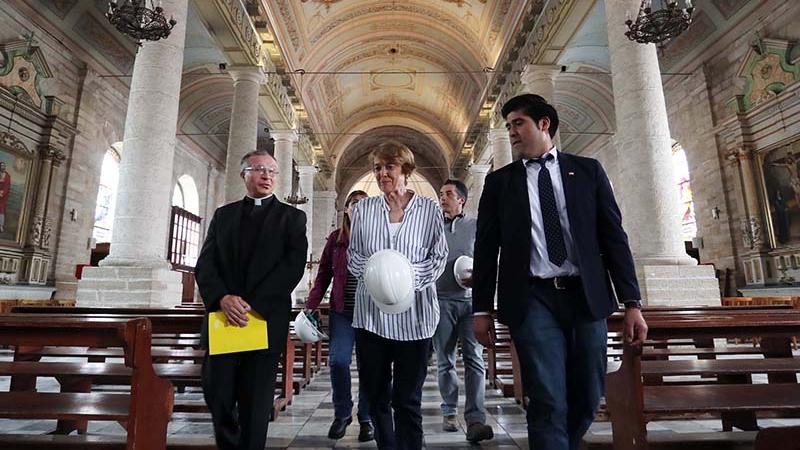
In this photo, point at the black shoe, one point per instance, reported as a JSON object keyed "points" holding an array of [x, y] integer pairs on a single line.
{"points": [[477, 432], [367, 433], [339, 427]]}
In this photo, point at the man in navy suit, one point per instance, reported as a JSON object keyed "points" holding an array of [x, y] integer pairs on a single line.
{"points": [[554, 220]]}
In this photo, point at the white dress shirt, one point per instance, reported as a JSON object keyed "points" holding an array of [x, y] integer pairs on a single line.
{"points": [[540, 261]]}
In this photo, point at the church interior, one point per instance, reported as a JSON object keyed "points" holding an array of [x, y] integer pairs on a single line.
{"points": [[116, 151]]}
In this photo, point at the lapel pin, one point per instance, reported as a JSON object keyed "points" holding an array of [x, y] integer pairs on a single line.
{"points": [[570, 173]]}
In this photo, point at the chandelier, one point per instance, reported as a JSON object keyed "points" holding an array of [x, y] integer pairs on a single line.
{"points": [[297, 197], [133, 18], [659, 25]]}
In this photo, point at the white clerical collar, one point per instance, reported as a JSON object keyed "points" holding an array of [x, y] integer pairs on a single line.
{"points": [[257, 201]]}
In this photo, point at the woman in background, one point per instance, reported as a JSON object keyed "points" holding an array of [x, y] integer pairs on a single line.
{"points": [[333, 266]]}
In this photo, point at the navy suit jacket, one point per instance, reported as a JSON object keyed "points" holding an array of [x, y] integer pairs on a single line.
{"points": [[277, 265], [504, 226]]}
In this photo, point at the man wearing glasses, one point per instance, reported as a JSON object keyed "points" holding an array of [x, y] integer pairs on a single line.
{"points": [[253, 257]]}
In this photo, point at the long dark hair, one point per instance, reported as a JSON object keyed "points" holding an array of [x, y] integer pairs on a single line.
{"points": [[344, 232]]}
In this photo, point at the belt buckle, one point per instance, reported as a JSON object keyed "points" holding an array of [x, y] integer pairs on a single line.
{"points": [[559, 283]]}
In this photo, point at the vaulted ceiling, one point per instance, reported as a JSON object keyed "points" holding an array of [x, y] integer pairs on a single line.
{"points": [[424, 72], [408, 69]]}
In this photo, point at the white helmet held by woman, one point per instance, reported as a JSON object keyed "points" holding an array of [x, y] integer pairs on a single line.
{"points": [[389, 278], [306, 330]]}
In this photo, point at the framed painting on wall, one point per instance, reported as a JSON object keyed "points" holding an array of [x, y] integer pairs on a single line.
{"points": [[781, 174], [15, 179]]}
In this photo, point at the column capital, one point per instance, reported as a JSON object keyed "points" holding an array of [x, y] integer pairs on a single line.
{"points": [[537, 72], [739, 153], [325, 194], [284, 135], [497, 134], [254, 74], [52, 153], [307, 170], [479, 169]]}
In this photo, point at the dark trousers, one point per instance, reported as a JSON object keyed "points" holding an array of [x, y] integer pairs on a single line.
{"points": [[393, 373], [562, 354], [239, 389]]}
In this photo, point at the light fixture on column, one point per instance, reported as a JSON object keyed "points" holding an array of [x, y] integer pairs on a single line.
{"points": [[660, 23], [134, 19]]}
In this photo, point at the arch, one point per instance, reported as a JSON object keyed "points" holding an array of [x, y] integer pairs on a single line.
{"points": [[392, 118], [185, 195], [416, 182], [430, 160], [107, 194]]}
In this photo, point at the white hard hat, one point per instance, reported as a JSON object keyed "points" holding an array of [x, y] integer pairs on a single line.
{"points": [[462, 268], [305, 330], [389, 278]]}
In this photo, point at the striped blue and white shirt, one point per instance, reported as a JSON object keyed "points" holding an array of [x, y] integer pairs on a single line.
{"points": [[421, 238]]}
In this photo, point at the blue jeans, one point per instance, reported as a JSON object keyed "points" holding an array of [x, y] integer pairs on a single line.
{"points": [[562, 354], [342, 338], [455, 323]]}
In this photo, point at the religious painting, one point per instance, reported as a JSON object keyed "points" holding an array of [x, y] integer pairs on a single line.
{"points": [[15, 172], [781, 175]]}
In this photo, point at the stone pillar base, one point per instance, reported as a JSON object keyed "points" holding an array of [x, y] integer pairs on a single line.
{"points": [[679, 285], [35, 267], [133, 287]]}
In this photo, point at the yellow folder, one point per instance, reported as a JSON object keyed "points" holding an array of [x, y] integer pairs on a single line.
{"points": [[224, 338]]}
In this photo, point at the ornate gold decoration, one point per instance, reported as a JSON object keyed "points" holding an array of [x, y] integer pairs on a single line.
{"points": [[461, 3], [327, 3], [767, 72]]}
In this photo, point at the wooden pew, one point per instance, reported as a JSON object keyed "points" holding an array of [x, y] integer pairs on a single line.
{"points": [[172, 323], [632, 403], [144, 412]]}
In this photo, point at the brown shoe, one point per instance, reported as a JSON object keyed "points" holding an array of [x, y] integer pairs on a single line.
{"points": [[477, 432], [449, 424]]}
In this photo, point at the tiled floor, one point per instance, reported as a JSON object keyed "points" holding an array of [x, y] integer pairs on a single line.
{"points": [[304, 425]]}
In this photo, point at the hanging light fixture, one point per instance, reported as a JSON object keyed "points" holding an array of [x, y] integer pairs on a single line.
{"points": [[297, 197], [134, 19], [659, 24]]}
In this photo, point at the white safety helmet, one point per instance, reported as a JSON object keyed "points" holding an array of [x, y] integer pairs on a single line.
{"points": [[305, 330], [389, 278], [462, 268]]}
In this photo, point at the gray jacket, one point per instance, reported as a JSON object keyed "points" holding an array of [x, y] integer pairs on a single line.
{"points": [[460, 234]]}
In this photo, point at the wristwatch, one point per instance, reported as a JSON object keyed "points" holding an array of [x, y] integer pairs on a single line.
{"points": [[632, 304]]}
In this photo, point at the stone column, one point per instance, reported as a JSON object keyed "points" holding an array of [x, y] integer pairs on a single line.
{"points": [[324, 220], [244, 126], [651, 205], [501, 147], [477, 173], [307, 187], [541, 80], [285, 140], [136, 272]]}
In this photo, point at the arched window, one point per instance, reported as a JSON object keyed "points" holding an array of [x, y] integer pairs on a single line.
{"points": [[184, 236], [185, 195], [681, 166], [107, 194]]}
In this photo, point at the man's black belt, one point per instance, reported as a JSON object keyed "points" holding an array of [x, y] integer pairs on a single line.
{"points": [[559, 283]]}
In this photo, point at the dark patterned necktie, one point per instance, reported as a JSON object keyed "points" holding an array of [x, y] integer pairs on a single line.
{"points": [[556, 250]]}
